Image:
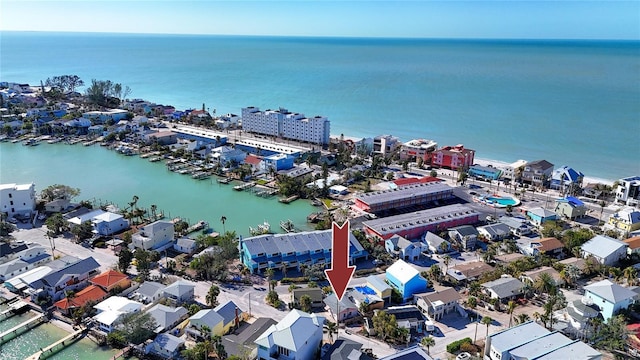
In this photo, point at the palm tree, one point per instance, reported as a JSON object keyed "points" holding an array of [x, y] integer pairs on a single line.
{"points": [[212, 296], [545, 284], [427, 342], [205, 331], [602, 205], [223, 219], [332, 328], [630, 274], [269, 274], [536, 316], [447, 260], [487, 320], [522, 318], [510, 307]]}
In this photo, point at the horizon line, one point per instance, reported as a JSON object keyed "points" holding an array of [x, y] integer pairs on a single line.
{"points": [[323, 36]]}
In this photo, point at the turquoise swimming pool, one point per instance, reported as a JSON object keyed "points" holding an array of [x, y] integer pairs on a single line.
{"points": [[504, 201]]}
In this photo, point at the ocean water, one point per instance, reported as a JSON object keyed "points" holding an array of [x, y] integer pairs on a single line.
{"points": [[573, 103]]}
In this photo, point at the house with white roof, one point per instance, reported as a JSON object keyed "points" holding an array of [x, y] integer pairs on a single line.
{"points": [[26, 260], [17, 199], [179, 292], [297, 337], [112, 309], [404, 249], [435, 243], [628, 191], [155, 236], [609, 297], [608, 251], [109, 223], [406, 279], [532, 341], [167, 317], [165, 346]]}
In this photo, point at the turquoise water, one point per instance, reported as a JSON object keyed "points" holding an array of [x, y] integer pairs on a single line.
{"points": [[103, 175], [570, 102], [503, 201]]}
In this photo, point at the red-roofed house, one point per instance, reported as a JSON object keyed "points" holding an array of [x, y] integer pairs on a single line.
{"points": [[453, 157], [254, 161], [633, 340], [634, 245], [90, 293], [111, 279]]}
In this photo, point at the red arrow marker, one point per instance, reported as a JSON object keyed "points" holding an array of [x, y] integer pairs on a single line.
{"points": [[340, 272]]}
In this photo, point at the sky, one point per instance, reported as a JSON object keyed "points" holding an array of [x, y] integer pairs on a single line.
{"points": [[514, 19]]}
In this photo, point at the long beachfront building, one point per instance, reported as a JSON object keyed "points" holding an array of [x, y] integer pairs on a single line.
{"points": [[286, 124], [271, 251], [414, 225], [403, 197]]}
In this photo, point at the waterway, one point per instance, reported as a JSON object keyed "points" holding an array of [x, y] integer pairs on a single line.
{"points": [[104, 175], [43, 335]]}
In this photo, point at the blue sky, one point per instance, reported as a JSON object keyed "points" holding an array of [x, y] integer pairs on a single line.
{"points": [[557, 19]]}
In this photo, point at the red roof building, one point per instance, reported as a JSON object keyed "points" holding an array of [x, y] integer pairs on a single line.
{"points": [[453, 157], [111, 279], [90, 293], [412, 180]]}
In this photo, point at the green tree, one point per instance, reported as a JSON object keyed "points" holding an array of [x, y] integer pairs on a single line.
{"points": [[427, 342], [193, 309], [56, 223], [83, 231], [305, 303], [332, 328], [117, 339], [273, 299], [612, 336], [545, 283], [143, 263], [6, 228], [137, 327], [385, 325], [124, 259], [58, 191], [510, 307], [522, 318], [212, 296], [486, 320]]}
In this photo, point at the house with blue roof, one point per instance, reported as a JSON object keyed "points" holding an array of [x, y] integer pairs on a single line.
{"points": [[231, 315], [570, 208], [484, 172], [275, 251], [541, 215], [165, 346], [564, 178], [609, 297], [406, 279]]}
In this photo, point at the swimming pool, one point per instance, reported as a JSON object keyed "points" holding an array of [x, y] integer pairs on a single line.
{"points": [[365, 290], [499, 201]]}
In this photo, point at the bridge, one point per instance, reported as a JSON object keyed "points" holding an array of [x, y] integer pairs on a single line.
{"points": [[67, 340]]}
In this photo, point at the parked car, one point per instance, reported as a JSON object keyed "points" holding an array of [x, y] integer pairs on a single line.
{"points": [[463, 356]]}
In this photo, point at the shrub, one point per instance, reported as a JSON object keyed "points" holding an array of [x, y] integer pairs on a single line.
{"points": [[294, 280], [469, 347], [454, 347]]}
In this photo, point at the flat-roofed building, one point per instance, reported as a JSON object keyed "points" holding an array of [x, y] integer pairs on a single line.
{"points": [[17, 199], [532, 341], [271, 251], [628, 190], [453, 157], [404, 197], [418, 149], [415, 225], [286, 124]]}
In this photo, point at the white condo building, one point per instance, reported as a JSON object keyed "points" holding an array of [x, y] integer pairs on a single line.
{"points": [[628, 191], [286, 124], [17, 199]]}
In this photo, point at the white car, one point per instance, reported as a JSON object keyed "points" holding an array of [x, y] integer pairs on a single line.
{"points": [[463, 356], [12, 220]]}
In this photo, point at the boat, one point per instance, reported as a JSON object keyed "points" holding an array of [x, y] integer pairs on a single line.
{"points": [[287, 226], [289, 199], [201, 175], [316, 202], [30, 142], [225, 180], [264, 228]]}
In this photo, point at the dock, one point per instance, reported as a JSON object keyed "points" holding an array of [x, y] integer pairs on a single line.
{"points": [[225, 180], [31, 323], [13, 309], [197, 226], [67, 340], [289, 199]]}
